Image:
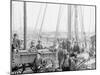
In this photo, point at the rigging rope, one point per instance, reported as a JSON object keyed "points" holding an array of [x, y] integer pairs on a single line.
{"points": [[37, 20], [58, 22], [39, 35]]}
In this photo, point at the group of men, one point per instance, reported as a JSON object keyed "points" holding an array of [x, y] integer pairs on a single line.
{"points": [[66, 53], [16, 43]]}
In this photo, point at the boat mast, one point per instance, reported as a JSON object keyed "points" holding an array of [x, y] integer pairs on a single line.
{"points": [[25, 24], [69, 22], [76, 23], [82, 27]]}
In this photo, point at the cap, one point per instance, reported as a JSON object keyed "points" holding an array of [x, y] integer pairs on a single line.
{"points": [[15, 34]]}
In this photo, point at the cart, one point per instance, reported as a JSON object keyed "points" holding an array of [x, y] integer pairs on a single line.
{"points": [[22, 60]]}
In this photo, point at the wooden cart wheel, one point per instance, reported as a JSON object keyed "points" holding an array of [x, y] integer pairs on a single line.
{"points": [[17, 69]]}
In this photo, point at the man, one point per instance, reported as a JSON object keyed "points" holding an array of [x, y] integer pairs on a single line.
{"points": [[32, 44], [66, 64], [60, 57], [38, 63], [16, 42], [21, 44], [76, 48], [39, 46], [68, 45], [63, 45], [32, 47]]}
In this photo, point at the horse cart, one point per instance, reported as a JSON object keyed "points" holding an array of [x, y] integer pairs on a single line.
{"points": [[24, 59]]}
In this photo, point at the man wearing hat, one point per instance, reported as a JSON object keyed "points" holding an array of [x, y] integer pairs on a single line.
{"points": [[39, 45], [16, 42]]}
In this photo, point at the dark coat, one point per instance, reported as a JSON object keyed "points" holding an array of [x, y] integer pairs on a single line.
{"points": [[60, 58], [15, 44], [76, 48], [39, 46], [37, 63]]}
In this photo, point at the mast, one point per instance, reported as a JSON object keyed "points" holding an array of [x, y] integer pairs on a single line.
{"points": [[82, 28], [76, 23], [25, 23], [69, 22]]}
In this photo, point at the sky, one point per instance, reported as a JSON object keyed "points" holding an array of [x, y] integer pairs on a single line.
{"points": [[87, 13]]}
